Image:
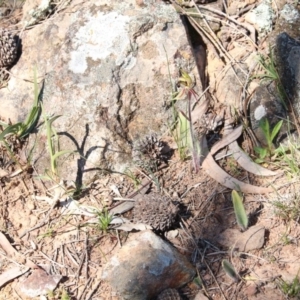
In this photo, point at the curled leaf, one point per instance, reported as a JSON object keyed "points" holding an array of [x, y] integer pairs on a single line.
{"points": [[247, 163], [240, 156], [218, 174], [11, 274]]}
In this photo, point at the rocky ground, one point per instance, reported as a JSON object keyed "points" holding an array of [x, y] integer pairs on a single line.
{"points": [[67, 229]]}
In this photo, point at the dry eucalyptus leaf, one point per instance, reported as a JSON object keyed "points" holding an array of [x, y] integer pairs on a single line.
{"points": [[228, 139], [11, 274], [119, 220], [247, 163], [218, 174], [253, 238], [243, 159]]}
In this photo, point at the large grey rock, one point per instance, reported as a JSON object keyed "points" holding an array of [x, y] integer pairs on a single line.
{"points": [[267, 104], [288, 61], [253, 238], [106, 68], [145, 266]]}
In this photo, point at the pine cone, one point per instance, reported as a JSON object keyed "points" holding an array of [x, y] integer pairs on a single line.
{"points": [[155, 210], [8, 49], [169, 294], [149, 153]]}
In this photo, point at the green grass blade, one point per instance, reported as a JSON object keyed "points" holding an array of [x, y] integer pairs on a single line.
{"points": [[3, 124], [239, 210], [32, 117], [265, 126], [60, 153], [229, 270], [183, 131], [36, 88], [11, 129], [276, 130]]}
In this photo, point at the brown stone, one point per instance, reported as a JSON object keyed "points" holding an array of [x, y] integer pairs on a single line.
{"points": [[145, 266]]}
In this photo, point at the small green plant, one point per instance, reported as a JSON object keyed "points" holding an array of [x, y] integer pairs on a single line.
{"points": [[60, 294], [230, 270], [288, 209], [53, 144], [186, 138], [175, 126], [49, 233], [50, 295], [289, 289], [239, 210], [181, 128], [289, 157], [22, 129], [233, 166], [136, 181], [271, 74], [268, 150], [181, 136], [286, 239], [64, 295], [104, 220]]}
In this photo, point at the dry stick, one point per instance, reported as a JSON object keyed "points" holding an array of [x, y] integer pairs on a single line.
{"points": [[87, 284], [89, 296], [218, 12], [48, 258], [41, 224], [71, 257], [144, 184], [12, 252], [207, 201], [86, 257], [203, 259], [55, 259], [56, 197], [214, 40], [10, 260], [224, 23], [74, 252], [62, 255], [211, 38], [118, 237], [225, 53], [80, 266], [225, 6], [224, 70], [190, 188], [203, 286], [212, 274], [243, 95]]}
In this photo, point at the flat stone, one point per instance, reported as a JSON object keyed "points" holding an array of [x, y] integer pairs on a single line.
{"points": [[38, 283], [251, 239], [145, 266]]}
